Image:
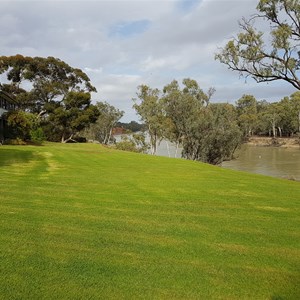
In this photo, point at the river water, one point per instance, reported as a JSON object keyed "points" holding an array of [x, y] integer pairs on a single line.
{"points": [[272, 161]]}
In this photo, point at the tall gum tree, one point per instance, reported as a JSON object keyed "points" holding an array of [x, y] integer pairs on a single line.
{"points": [[102, 129], [58, 93], [149, 107], [270, 56], [49, 79], [247, 114]]}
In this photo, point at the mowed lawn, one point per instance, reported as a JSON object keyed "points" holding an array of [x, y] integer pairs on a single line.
{"points": [[80, 221]]}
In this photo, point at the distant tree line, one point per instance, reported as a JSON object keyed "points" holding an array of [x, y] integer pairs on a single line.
{"points": [[275, 119], [211, 132], [132, 126]]}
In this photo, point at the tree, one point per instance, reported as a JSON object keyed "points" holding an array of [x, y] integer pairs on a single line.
{"points": [[247, 114], [22, 124], [295, 102], [179, 105], [132, 126], [149, 106], [286, 125], [49, 87], [108, 117], [272, 56], [271, 116], [214, 135], [134, 143], [73, 114], [49, 79]]}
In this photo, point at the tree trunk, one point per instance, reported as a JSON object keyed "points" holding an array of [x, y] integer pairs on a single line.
{"points": [[274, 129], [280, 131], [168, 148], [153, 140], [105, 139], [109, 136], [70, 138], [176, 151]]}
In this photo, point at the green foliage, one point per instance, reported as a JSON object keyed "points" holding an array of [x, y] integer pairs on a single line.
{"points": [[16, 141], [213, 136], [254, 54], [58, 93], [82, 221], [149, 107], [107, 118], [72, 115], [295, 105], [126, 144], [132, 126], [247, 114], [37, 135], [185, 117], [20, 123], [134, 143]]}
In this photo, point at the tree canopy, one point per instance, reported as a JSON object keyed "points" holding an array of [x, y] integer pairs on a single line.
{"points": [[183, 115], [107, 119], [57, 93], [271, 55]]}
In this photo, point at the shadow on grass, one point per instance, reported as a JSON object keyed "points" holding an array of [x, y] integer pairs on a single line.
{"points": [[12, 156]]}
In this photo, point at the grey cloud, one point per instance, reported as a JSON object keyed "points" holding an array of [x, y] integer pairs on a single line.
{"points": [[176, 44]]}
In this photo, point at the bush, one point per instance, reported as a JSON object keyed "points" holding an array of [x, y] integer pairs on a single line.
{"points": [[37, 135], [16, 141], [127, 145], [134, 143]]}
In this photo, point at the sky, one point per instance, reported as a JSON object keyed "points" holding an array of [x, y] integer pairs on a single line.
{"points": [[121, 44]]}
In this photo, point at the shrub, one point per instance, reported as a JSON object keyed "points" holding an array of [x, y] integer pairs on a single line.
{"points": [[37, 135]]}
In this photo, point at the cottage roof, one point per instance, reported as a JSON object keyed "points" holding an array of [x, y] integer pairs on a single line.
{"points": [[7, 97], [6, 102]]}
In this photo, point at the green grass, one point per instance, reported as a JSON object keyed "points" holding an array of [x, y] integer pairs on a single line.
{"points": [[80, 221]]}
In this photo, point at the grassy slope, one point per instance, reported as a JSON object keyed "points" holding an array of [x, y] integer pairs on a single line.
{"points": [[83, 221]]}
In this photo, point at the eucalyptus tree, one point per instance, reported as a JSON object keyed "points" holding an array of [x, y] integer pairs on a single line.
{"points": [[271, 55], [68, 118], [295, 102], [45, 79], [247, 114], [270, 118], [207, 132], [107, 119], [180, 107], [58, 93], [214, 134], [287, 122], [149, 107]]}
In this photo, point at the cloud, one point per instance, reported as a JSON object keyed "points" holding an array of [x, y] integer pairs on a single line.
{"points": [[91, 70], [118, 90], [129, 29], [187, 5], [123, 43]]}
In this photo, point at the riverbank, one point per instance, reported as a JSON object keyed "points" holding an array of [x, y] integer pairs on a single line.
{"points": [[277, 142]]}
